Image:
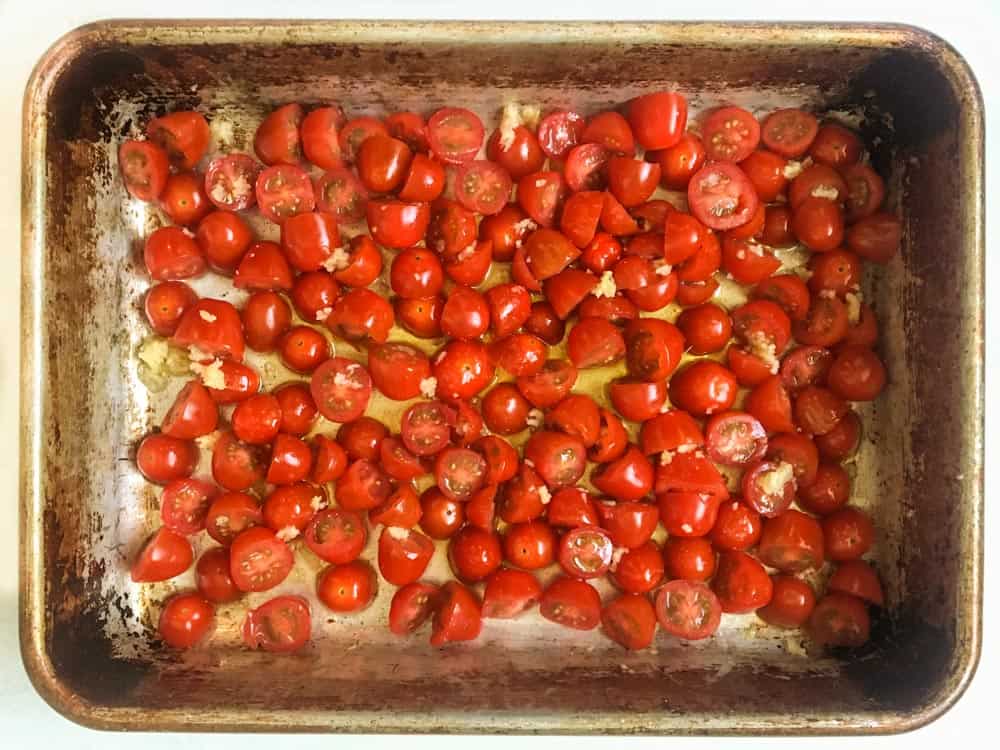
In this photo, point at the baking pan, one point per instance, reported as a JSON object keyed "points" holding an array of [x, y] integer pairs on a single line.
{"points": [[87, 631]]}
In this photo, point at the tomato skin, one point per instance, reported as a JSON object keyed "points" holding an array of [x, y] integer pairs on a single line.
{"points": [[777, 230], [547, 252], [162, 458], [568, 290], [594, 342], [688, 514], [629, 477], [455, 135], [425, 180], [164, 555], [580, 217], [747, 262], [183, 199], [523, 155], [383, 163], [412, 606], [791, 542], [466, 314], [639, 570], [789, 132], [474, 554], [253, 545], [618, 310], [839, 620], [281, 625], [362, 438], [165, 305], [480, 511], [183, 135], [171, 254], [347, 588], [505, 410], [363, 486], [403, 555], [263, 266], [185, 620], [397, 224], [688, 610], [658, 120], [571, 603], [817, 181], [737, 526], [630, 621], [309, 239], [230, 514], [558, 458], [298, 410], [213, 579], [483, 187], [637, 401], [690, 471], [442, 516], [330, 461], [848, 534], [510, 592], [680, 161], [857, 578], [768, 501], [688, 558], [819, 224], [771, 405], [224, 238], [629, 524], [462, 369], [400, 464], [559, 131], [458, 617], [336, 535], [398, 369], [521, 498], [842, 441], [192, 414], [576, 415], [632, 181], [817, 410], [571, 507], [857, 374], [669, 431], [876, 238], [303, 348], [361, 315], [459, 472], [829, 491], [292, 506], [835, 146], [610, 130], [765, 170], [415, 273], [791, 604], [703, 388], [144, 168], [741, 583], [706, 328], [540, 195], [283, 191], [320, 139], [277, 140], [265, 319]]}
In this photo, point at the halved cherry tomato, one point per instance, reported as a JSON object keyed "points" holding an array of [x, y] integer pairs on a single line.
{"points": [[669, 431], [184, 504], [183, 135], [259, 560], [876, 238], [320, 139], [298, 410], [741, 583], [466, 315], [397, 224], [185, 620], [340, 192], [585, 552], [737, 526], [835, 146], [458, 617], [510, 592], [689, 558], [231, 514], [166, 304], [594, 342], [630, 621], [735, 438], [459, 472], [540, 194], [426, 427], [791, 542], [474, 554], [183, 199], [839, 620], [639, 570], [848, 534], [213, 579], [817, 181], [425, 180], [558, 458], [145, 168], [769, 487], [454, 134], [721, 197], [292, 507], [746, 261], [687, 514], [303, 348], [771, 404], [766, 171], [281, 625], [580, 218], [819, 224], [791, 604], [576, 415], [571, 603], [610, 130], [842, 441], [162, 458], [355, 132], [703, 388], [817, 410], [857, 374], [730, 134], [362, 438], [341, 389], [164, 555], [777, 230], [192, 414], [688, 610], [637, 401], [789, 132], [170, 253], [347, 588], [330, 461], [799, 451], [632, 181], [679, 162], [336, 535], [363, 486], [857, 578], [403, 555], [826, 323], [462, 369], [519, 354], [629, 477], [383, 163], [284, 191], [412, 606], [828, 492], [480, 511], [560, 131], [612, 440], [277, 140], [630, 524], [483, 187], [658, 119], [706, 328]]}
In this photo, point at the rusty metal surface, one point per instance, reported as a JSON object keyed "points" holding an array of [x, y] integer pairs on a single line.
{"points": [[86, 629]]}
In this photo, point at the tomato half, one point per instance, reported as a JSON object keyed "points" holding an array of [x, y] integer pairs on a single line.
{"points": [[184, 504], [144, 168], [455, 134], [730, 134], [571, 603], [341, 389], [509, 592], [688, 610], [412, 606], [630, 621], [281, 625], [259, 560], [721, 196], [164, 555], [185, 620], [284, 191]]}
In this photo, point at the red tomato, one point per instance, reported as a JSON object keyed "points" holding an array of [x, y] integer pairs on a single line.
{"points": [[826, 323], [706, 328], [480, 511], [383, 163], [170, 253], [313, 295], [791, 604], [688, 514], [769, 487], [540, 194], [459, 472], [797, 450], [789, 132], [424, 181], [721, 197], [162, 458], [669, 431], [259, 560], [183, 200], [347, 588], [398, 370], [835, 146], [737, 526], [474, 554], [632, 181], [455, 135], [576, 415], [510, 592], [363, 486], [791, 542], [303, 348], [144, 167], [441, 515], [277, 140], [688, 610], [397, 224], [501, 458], [330, 461], [185, 620], [618, 310], [193, 413], [281, 625], [263, 266], [509, 308], [341, 389], [680, 162], [426, 427], [806, 365], [689, 559], [630, 621], [839, 620], [361, 315], [340, 193], [658, 120], [629, 524], [183, 135], [857, 374], [602, 252], [184, 505], [842, 441], [558, 458], [594, 342], [164, 555], [415, 273], [400, 464], [766, 171], [213, 579], [747, 262], [309, 239], [848, 534], [876, 237], [771, 405], [472, 265], [462, 369], [741, 583], [292, 507], [610, 130], [735, 438], [519, 354], [166, 304], [857, 578], [639, 570], [819, 224], [522, 499], [730, 134], [818, 410], [411, 607], [612, 440], [239, 382], [319, 137], [484, 187], [689, 471], [465, 315], [629, 477], [362, 438], [547, 252], [519, 154], [559, 131], [355, 132], [336, 535], [284, 191], [224, 238], [580, 217], [231, 514], [586, 167], [266, 317], [571, 603], [298, 410], [828, 492], [403, 555], [817, 181], [637, 401], [458, 617], [777, 231], [568, 289], [703, 388], [506, 230]]}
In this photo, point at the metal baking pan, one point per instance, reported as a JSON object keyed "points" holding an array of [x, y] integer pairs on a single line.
{"points": [[86, 629]]}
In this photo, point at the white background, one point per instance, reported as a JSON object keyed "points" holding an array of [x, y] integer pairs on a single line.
{"points": [[28, 27]]}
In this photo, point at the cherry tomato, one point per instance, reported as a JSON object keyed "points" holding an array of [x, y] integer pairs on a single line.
{"points": [[658, 119], [540, 195], [791, 542], [618, 310], [769, 487], [770, 403], [826, 323], [213, 579], [637, 401], [281, 625], [480, 511], [330, 461], [688, 514], [791, 604], [629, 477], [400, 464], [484, 187], [706, 328], [721, 197], [298, 410], [383, 163], [568, 289], [766, 172], [231, 514], [688, 558], [522, 499], [192, 414], [509, 308], [547, 252], [630, 621], [737, 526], [424, 181], [571, 603], [819, 224], [362, 438], [309, 239], [610, 130], [162, 458], [799, 451], [688, 610], [462, 369], [594, 342], [576, 415], [411, 607], [458, 617], [259, 560], [848, 534], [777, 231], [426, 427], [336, 535], [224, 238], [669, 431], [170, 253], [277, 140], [835, 146], [341, 389], [560, 131], [730, 134], [403, 555], [340, 193], [397, 224], [183, 135], [416, 273], [266, 318], [459, 472], [842, 441], [747, 262], [703, 388], [264, 266], [474, 554], [441, 516], [857, 578], [632, 181], [612, 439], [183, 199], [292, 507], [689, 471], [501, 458], [320, 139], [354, 133], [629, 524], [839, 620], [166, 304], [519, 153], [857, 374], [741, 583], [828, 492], [876, 237], [455, 135], [284, 191], [506, 230], [510, 592], [398, 370], [185, 620], [164, 555], [735, 438], [580, 217], [818, 410], [303, 348], [806, 365], [519, 354], [639, 570], [789, 132], [558, 458], [145, 168], [362, 486], [347, 588], [466, 314]]}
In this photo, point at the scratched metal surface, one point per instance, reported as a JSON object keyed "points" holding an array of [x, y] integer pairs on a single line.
{"points": [[86, 629]]}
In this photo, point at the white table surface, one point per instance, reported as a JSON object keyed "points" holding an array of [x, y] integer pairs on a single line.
{"points": [[28, 27]]}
